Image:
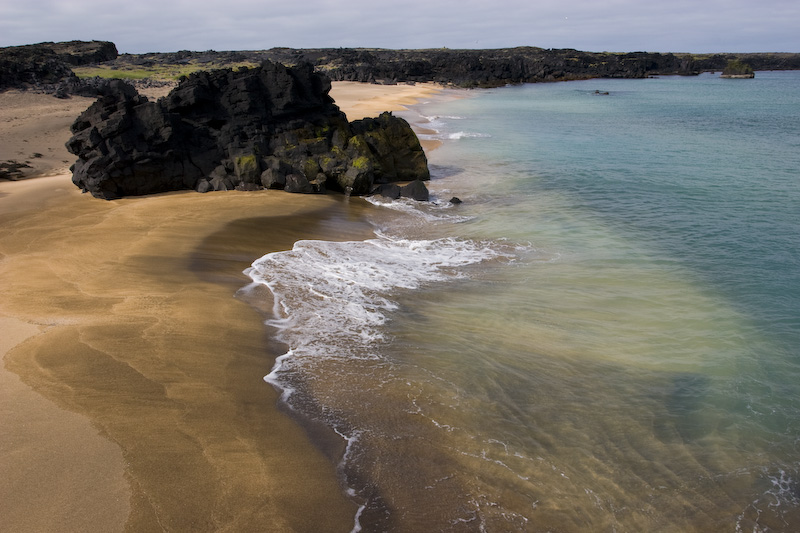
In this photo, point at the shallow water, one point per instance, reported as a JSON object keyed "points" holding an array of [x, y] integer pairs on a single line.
{"points": [[604, 336]]}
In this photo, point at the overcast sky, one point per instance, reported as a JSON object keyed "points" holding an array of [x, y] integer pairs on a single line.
{"points": [[138, 26]]}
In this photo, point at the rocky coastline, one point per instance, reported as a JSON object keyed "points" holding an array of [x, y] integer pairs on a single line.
{"points": [[48, 67], [498, 67], [263, 119]]}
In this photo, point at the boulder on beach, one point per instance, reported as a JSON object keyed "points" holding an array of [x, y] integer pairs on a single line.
{"points": [[267, 127]]}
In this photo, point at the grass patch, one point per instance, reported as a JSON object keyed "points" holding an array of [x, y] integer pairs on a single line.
{"points": [[170, 72]]}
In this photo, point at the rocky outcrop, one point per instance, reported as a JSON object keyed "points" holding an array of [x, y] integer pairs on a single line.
{"points": [[78, 53], [737, 69], [416, 190], [463, 68], [266, 127], [495, 67], [45, 65], [471, 68], [23, 67], [483, 68]]}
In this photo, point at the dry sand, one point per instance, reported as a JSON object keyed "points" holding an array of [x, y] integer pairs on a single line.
{"points": [[131, 396], [34, 128], [360, 100]]}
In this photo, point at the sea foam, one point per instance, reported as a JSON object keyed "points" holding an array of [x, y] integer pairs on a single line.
{"points": [[441, 128], [331, 299]]}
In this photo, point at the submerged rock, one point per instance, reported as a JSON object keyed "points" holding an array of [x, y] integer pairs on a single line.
{"points": [[270, 126]]}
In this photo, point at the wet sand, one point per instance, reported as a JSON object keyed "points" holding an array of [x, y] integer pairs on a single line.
{"points": [[132, 392]]}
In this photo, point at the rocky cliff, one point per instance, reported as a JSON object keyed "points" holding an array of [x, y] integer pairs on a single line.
{"points": [[266, 127], [45, 65], [495, 67], [473, 68], [482, 68]]}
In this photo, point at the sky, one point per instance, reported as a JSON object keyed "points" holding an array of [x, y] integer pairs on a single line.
{"points": [[140, 26]]}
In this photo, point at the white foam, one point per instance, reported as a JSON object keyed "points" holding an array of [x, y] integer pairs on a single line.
{"points": [[442, 130], [467, 135], [331, 299], [434, 211], [357, 524], [783, 491], [454, 136], [781, 497], [437, 122]]}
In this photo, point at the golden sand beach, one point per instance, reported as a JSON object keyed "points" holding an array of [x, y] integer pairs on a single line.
{"points": [[131, 391]]}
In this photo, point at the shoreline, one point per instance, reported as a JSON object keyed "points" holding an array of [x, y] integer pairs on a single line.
{"points": [[126, 332]]}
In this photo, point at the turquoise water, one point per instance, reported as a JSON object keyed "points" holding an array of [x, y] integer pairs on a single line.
{"points": [[604, 336]]}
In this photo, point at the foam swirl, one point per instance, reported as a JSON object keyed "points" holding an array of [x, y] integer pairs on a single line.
{"points": [[331, 298]]}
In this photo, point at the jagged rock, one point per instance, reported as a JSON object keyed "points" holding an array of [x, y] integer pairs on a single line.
{"points": [[23, 67], [273, 179], [221, 184], [416, 190], [270, 126], [483, 68], [83, 52], [395, 145], [387, 190], [298, 183], [46, 66], [248, 187]]}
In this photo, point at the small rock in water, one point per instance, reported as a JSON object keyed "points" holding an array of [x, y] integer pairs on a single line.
{"points": [[416, 190]]}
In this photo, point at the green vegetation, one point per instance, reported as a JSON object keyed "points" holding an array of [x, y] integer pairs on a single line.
{"points": [[358, 144], [170, 72], [310, 169], [246, 166], [736, 67], [322, 131], [361, 163], [246, 161]]}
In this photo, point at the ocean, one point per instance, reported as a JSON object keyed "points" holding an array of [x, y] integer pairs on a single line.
{"points": [[603, 336]]}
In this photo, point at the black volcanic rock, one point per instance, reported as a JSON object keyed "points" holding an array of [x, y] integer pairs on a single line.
{"points": [[394, 145], [270, 126], [496, 67], [483, 68], [29, 66], [46, 66], [415, 190]]}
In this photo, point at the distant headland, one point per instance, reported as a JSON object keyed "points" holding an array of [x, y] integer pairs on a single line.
{"points": [[71, 67]]}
